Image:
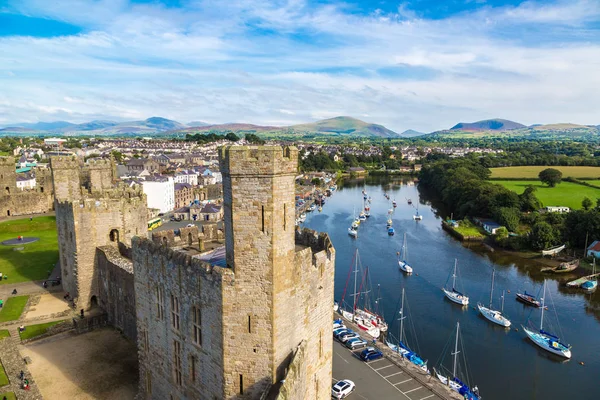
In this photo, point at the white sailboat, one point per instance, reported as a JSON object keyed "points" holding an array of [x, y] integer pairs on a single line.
{"points": [[454, 295], [494, 315], [403, 258], [453, 381], [546, 340], [417, 216], [402, 348]]}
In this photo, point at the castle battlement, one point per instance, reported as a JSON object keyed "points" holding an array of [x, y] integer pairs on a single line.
{"points": [[64, 162], [100, 163], [317, 241], [7, 161], [259, 160], [182, 259]]}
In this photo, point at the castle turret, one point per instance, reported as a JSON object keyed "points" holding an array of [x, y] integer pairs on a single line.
{"points": [[8, 176]]}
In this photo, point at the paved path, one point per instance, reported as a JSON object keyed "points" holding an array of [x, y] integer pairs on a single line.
{"points": [[379, 379]]}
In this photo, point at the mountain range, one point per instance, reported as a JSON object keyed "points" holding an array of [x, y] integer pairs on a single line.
{"points": [[347, 126]]}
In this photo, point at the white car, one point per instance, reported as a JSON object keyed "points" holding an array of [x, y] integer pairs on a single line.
{"points": [[342, 389], [190, 225], [337, 325]]}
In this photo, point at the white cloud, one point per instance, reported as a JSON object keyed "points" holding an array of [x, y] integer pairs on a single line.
{"points": [[208, 62]]}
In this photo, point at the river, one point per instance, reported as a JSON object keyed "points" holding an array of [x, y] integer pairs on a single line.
{"points": [[503, 363]]}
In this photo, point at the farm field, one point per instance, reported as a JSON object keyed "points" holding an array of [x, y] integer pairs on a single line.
{"points": [[564, 194], [532, 172], [33, 262]]}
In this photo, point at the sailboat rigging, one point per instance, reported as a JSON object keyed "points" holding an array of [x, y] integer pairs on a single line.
{"points": [[494, 315]]}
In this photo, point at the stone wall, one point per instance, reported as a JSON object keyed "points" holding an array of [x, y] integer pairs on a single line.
{"points": [[295, 380], [116, 292], [91, 217], [15, 202], [194, 284]]}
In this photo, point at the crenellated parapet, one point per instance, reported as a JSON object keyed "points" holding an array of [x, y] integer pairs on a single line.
{"points": [[317, 241], [258, 160]]}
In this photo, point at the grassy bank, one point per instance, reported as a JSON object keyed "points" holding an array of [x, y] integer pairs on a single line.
{"points": [[32, 331], [36, 259], [564, 194], [532, 172], [13, 308]]}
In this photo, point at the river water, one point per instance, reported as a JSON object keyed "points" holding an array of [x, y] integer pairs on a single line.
{"points": [[503, 363]]}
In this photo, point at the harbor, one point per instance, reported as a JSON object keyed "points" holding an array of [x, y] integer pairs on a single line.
{"points": [[491, 351]]}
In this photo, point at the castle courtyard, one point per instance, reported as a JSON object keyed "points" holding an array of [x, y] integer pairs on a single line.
{"points": [[100, 364]]}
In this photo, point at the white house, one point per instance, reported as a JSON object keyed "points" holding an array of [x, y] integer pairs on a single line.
{"points": [[56, 142], [160, 191], [189, 177], [558, 209], [25, 181]]}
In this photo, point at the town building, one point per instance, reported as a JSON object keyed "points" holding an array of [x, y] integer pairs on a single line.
{"points": [[593, 249], [141, 164], [557, 209], [184, 194], [160, 191]]}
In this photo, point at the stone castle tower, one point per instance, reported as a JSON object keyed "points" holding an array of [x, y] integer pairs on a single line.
{"points": [[8, 176], [91, 212], [253, 322], [14, 201]]}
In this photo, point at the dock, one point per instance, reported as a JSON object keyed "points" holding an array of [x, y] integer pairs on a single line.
{"points": [[580, 281]]}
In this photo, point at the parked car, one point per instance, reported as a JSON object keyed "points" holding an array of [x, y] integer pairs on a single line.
{"points": [[341, 389], [337, 325], [356, 343], [347, 336], [370, 353], [190, 225], [340, 331]]}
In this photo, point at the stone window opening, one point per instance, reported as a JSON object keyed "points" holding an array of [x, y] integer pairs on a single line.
{"points": [[241, 384], [94, 301], [174, 312], [249, 324], [8, 213], [197, 325], [164, 240], [263, 219], [160, 307], [284, 216], [148, 382], [190, 238], [146, 341], [7, 190], [177, 362], [114, 235], [41, 189], [193, 368]]}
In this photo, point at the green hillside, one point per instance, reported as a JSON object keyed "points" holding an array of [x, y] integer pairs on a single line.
{"points": [[344, 126]]}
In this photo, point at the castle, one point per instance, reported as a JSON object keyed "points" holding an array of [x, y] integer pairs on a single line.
{"points": [[247, 320], [22, 202]]}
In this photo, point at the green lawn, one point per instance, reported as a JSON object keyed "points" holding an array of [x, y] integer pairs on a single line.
{"points": [[8, 395], [532, 171], [467, 229], [13, 307], [3, 377], [4, 333], [33, 262], [564, 194], [32, 331]]}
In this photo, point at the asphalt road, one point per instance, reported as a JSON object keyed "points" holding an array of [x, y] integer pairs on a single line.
{"points": [[379, 379]]}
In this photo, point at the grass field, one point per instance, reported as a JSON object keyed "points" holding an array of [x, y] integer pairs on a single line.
{"points": [[467, 229], [564, 194], [13, 308], [36, 259], [528, 172], [4, 333], [32, 331], [8, 395], [3, 377]]}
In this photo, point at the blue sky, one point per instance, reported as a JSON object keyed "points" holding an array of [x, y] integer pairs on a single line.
{"points": [[420, 64]]}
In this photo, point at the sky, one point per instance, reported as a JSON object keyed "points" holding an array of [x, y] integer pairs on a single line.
{"points": [[418, 64]]}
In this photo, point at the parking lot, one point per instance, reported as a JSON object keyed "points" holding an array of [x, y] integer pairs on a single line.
{"points": [[378, 379]]}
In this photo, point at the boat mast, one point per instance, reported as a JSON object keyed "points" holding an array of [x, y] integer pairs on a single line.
{"points": [[355, 278], [455, 354], [543, 306], [377, 299], [492, 289], [402, 317], [502, 309], [454, 275]]}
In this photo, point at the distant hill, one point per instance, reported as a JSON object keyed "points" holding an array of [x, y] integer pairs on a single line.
{"points": [[411, 133], [46, 126], [197, 123], [233, 127], [487, 125], [90, 126], [345, 126], [19, 129], [558, 127]]}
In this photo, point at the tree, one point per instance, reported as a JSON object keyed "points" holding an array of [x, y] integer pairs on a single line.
{"points": [[118, 156], [550, 176], [542, 235], [252, 138], [232, 137], [586, 203], [529, 201], [509, 217]]}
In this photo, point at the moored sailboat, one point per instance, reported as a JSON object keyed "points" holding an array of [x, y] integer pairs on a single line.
{"points": [[454, 295], [452, 380], [403, 258], [402, 347], [494, 315], [546, 340]]}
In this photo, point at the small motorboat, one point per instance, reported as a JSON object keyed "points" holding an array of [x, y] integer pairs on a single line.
{"points": [[391, 231], [302, 218], [362, 216], [312, 207], [352, 232], [394, 204], [389, 222], [528, 299], [409, 201]]}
